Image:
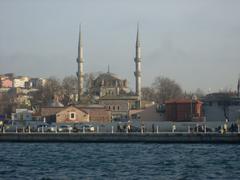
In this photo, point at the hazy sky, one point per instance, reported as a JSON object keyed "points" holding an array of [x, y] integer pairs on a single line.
{"points": [[195, 42]]}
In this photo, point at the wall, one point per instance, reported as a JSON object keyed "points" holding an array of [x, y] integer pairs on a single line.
{"points": [[64, 116], [183, 110], [119, 108], [99, 115], [121, 137], [147, 114]]}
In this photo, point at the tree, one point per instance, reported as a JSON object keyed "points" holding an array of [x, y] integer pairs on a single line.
{"points": [[69, 86], [46, 93], [6, 104], [88, 82], [166, 89], [199, 93], [148, 94]]}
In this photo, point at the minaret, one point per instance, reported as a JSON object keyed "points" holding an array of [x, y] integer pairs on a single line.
{"points": [[137, 60], [108, 69], [238, 87], [80, 74]]}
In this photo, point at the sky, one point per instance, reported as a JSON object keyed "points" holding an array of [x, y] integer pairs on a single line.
{"points": [[196, 43]]}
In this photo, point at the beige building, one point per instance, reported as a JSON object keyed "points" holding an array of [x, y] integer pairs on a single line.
{"points": [[72, 115], [20, 81], [95, 113], [98, 114], [119, 105]]}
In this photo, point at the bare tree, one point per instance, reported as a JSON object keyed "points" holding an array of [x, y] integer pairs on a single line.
{"points": [[166, 89], [6, 104], [89, 82], [199, 93], [69, 86], [148, 94], [48, 92]]}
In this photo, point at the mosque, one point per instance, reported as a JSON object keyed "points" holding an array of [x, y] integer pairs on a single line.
{"points": [[112, 92]]}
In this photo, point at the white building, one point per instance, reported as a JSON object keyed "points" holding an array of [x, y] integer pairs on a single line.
{"points": [[221, 107], [20, 81], [22, 115]]}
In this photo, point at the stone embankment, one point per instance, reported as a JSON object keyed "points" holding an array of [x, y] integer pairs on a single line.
{"points": [[122, 137]]}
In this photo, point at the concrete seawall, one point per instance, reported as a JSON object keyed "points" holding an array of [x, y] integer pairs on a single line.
{"points": [[122, 137]]}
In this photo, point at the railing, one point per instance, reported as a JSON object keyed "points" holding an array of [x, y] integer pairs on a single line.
{"points": [[113, 130]]}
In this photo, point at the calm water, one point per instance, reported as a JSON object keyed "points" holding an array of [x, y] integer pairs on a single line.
{"points": [[119, 161]]}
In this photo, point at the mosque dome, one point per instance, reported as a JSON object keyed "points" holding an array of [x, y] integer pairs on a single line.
{"points": [[109, 84], [107, 76]]}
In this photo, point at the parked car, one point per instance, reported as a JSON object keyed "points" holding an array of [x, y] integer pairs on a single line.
{"points": [[42, 127], [65, 128], [89, 128], [18, 128], [84, 127], [122, 127], [52, 128]]}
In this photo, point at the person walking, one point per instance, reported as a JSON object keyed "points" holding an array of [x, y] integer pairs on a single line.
{"points": [[153, 128]]}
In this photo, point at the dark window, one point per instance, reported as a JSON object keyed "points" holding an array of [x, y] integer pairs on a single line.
{"points": [[113, 107], [72, 115]]}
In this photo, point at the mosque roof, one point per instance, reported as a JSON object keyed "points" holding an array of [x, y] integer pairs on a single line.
{"points": [[108, 76]]}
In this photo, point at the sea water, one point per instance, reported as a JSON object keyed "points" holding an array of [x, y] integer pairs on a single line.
{"points": [[119, 161]]}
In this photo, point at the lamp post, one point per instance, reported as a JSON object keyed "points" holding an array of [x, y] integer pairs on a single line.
{"points": [[191, 110]]}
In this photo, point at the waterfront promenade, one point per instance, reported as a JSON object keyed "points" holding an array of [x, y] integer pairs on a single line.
{"points": [[122, 137]]}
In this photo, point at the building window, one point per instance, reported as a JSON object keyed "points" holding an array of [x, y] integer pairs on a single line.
{"points": [[118, 108], [109, 107], [113, 107], [72, 115]]}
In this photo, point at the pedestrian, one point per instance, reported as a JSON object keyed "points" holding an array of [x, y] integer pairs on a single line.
{"points": [[142, 127], [225, 128], [173, 128], [129, 128]]}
